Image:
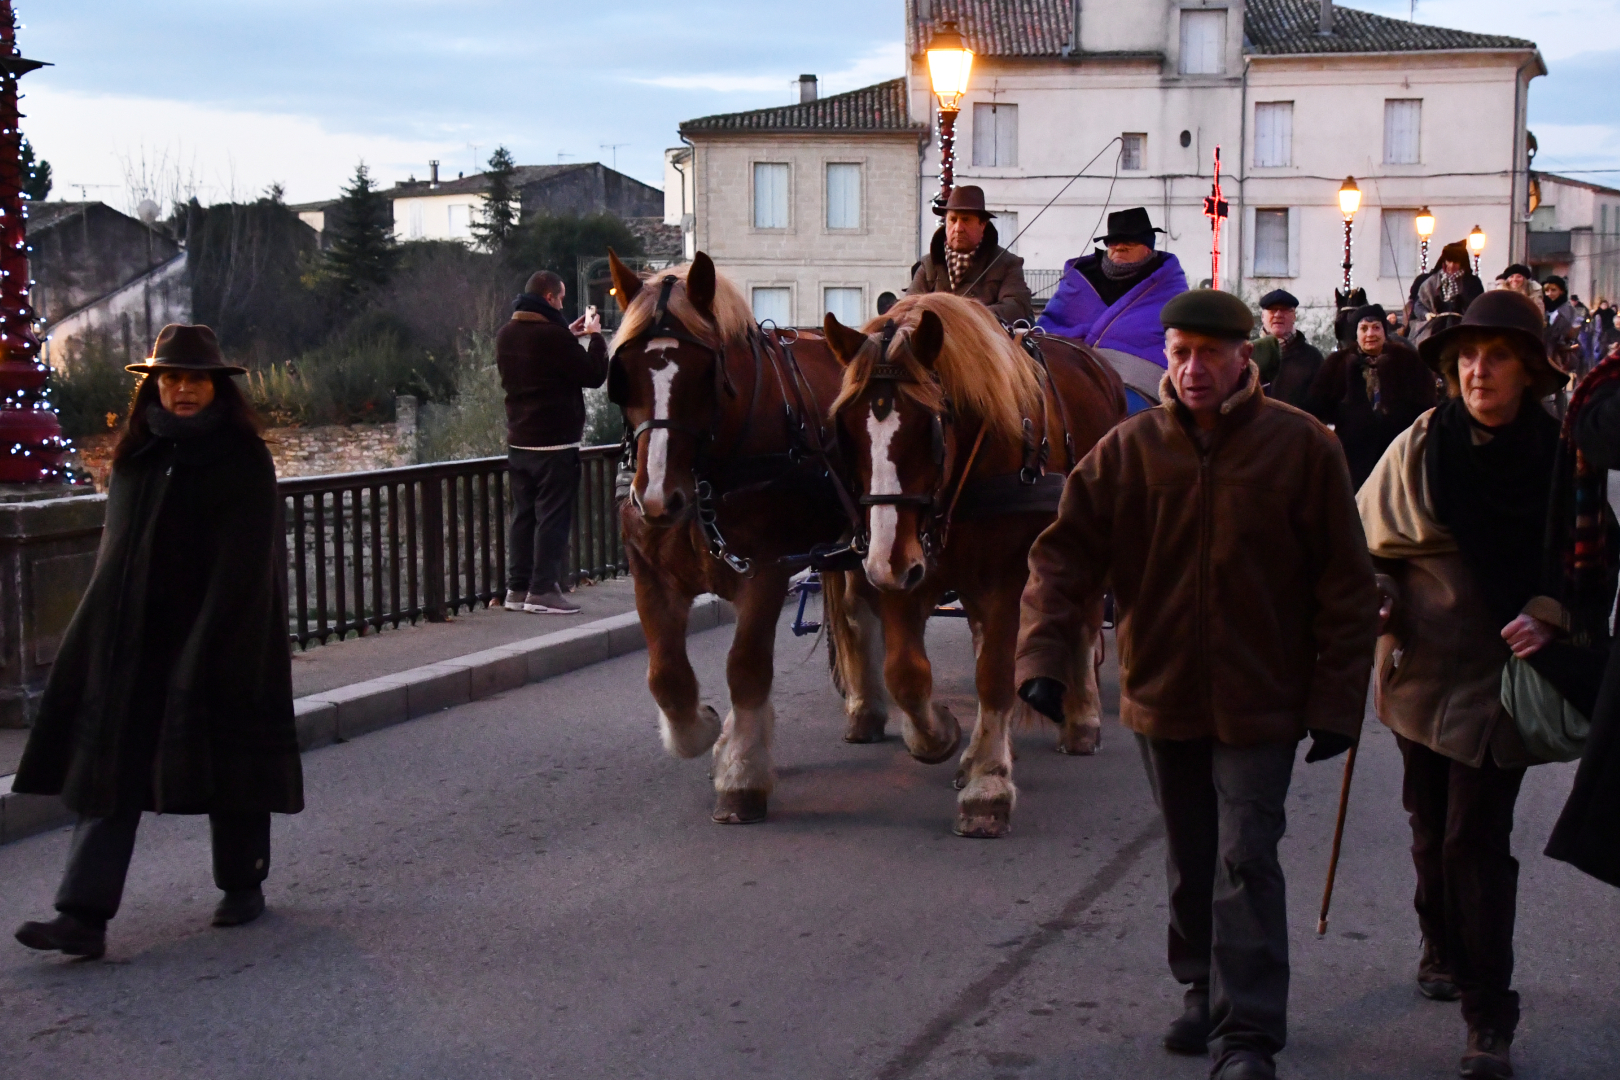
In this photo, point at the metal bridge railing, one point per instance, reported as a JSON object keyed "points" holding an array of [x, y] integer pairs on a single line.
{"points": [[369, 550]]}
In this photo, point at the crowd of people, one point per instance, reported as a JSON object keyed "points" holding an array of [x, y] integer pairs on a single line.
{"points": [[1424, 510]]}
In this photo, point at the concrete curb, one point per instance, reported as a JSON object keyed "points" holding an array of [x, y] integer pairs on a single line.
{"points": [[351, 711]]}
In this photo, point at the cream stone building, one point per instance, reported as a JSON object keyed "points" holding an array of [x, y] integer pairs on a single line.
{"points": [[1298, 94], [810, 207], [1575, 232]]}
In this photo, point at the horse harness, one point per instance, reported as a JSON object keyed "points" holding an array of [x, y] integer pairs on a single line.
{"points": [[1030, 490], [738, 476]]}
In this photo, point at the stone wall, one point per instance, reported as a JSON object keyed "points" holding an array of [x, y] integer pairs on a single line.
{"points": [[304, 451]]}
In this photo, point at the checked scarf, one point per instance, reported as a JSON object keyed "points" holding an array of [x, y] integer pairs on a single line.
{"points": [[957, 262], [1578, 526]]}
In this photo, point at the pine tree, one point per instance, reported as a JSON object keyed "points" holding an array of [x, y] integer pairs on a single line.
{"points": [[498, 221], [36, 174], [363, 251]]}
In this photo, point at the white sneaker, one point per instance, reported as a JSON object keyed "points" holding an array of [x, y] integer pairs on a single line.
{"points": [[551, 603]]}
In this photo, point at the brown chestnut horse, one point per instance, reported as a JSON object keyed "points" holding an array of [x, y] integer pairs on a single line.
{"points": [[950, 428], [732, 492]]}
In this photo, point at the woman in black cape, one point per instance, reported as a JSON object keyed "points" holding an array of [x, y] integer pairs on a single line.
{"points": [[172, 691]]}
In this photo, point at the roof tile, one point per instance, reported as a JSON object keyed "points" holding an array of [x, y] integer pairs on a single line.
{"points": [[871, 108]]}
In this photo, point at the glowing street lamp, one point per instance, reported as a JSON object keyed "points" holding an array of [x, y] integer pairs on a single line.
{"points": [[1476, 246], [1425, 228], [1349, 203], [950, 62]]}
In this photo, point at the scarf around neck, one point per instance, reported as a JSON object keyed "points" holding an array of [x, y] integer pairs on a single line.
{"points": [[957, 263], [537, 305], [168, 425], [1118, 271], [1450, 285]]}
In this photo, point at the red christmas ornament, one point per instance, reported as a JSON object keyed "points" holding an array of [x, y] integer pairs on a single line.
{"points": [[31, 443]]}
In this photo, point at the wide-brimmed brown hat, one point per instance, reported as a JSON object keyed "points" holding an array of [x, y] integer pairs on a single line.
{"points": [[1498, 312], [186, 348], [969, 198]]}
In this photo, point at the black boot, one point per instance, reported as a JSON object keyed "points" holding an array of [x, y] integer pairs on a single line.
{"points": [[1434, 975], [239, 908], [1244, 1065], [1189, 1032], [1487, 1055], [65, 934]]}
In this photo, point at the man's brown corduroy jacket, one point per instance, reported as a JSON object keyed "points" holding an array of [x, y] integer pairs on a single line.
{"points": [[1245, 597]]}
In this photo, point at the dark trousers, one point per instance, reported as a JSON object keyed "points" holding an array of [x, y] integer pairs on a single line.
{"points": [[1223, 817], [545, 485], [1467, 877], [98, 862]]}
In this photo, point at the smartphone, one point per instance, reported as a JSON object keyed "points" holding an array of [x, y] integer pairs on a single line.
{"points": [[590, 311]]}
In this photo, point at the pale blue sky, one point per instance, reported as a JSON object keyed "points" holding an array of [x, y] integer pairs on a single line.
{"points": [[229, 95]]}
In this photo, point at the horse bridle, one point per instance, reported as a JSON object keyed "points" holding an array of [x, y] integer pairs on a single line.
{"points": [[665, 325], [937, 507]]}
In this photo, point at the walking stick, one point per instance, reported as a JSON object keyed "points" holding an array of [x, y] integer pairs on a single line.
{"points": [[1338, 838]]}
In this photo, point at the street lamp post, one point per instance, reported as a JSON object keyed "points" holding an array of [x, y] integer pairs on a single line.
{"points": [[1425, 228], [950, 62], [1476, 246], [1349, 203]]}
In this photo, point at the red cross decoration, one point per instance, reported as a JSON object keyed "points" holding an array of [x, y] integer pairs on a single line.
{"points": [[1215, 208]]}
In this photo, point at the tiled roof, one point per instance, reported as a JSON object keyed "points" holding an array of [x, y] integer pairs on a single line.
{"points": [[871, 108], [478, 183], [1042, 28], [1289, 27]]}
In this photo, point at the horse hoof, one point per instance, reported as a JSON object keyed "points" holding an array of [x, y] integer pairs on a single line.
{"points": [[866, 728], [984, 820], [1082, 741], [740, 807], [934, 753]]}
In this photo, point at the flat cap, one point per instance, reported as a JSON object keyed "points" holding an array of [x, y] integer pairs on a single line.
{"points": [[1278, 298], [1208, 311]]}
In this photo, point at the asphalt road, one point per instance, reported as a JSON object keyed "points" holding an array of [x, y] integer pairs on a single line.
{"points": [[527, 886]]}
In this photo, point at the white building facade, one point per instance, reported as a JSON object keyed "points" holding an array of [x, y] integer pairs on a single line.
{"points": [[1296, 93], [810, 207], [1575, 233]]}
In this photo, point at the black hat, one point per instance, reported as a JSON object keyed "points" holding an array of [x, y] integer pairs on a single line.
{"points": [[1129, 225], [186, 348], [1278, 298], [1515, 268], [1510, 314], [1456, 252], [1556, 280], [969, 198], [1208, 311], [1375, 312]]}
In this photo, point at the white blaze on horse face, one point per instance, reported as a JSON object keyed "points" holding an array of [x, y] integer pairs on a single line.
{"points": [[885, 520], [663, 381]]}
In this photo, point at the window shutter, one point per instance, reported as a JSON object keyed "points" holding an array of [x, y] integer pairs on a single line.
{"points": [[1274, 133], [1294, 229], [844, 304], [1006, 135], [1403, 123], [1399, 244], [1203, 42], [843, 196], [773, 305], [770, 195], [995, 134], [1271, 243]]}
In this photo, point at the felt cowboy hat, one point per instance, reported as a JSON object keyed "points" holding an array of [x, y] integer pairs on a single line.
{"points": [[185, 348], [1498, 313], [968, 199], [1129, 225]]}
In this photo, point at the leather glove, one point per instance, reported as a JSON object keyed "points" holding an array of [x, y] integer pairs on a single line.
{"points": [[1327, 744], [1045, 696]]}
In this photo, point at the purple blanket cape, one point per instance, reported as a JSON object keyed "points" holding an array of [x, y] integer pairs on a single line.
{"points": [[1130, 324]]}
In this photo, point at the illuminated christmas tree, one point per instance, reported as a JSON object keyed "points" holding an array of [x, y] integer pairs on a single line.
{"points": [[31, 442]]}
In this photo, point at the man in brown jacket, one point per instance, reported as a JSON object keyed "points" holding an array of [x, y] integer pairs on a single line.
{"points": [[966, 258], [1225, 524]]}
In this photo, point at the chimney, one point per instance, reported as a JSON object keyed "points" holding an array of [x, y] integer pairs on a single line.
{"points": [[433, 168], [1326, 25], [807, 89]]}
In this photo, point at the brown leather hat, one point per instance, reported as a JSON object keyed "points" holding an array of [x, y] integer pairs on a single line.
{"points": [[186, 348], [967, 198], [1505, 313]]}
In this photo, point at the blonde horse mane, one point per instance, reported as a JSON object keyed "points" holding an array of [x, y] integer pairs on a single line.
{"points": [[980, 368], [733, 318]]}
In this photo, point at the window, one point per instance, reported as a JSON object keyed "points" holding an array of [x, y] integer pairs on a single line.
{"points": [[774, 305], [1203, 42], [843, 304], [995, 134], [843, 196], [460, 221], [1007, 229], [1403, 121], [1273, 133], [413, 230], [1133, 151], [770, 195], [1400, 244], [1271, 243]]}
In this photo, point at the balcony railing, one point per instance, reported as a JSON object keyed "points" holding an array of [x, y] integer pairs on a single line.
{"points": [[370, 550]]}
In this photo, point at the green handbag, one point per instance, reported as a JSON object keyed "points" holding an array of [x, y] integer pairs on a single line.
{"points": [[1552, 728]]}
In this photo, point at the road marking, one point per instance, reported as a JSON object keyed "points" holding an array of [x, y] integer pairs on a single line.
{"points": [[978, 995]]}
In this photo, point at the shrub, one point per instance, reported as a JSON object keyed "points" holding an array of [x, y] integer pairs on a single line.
{"points": [[473, 423], [92, 394]]}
